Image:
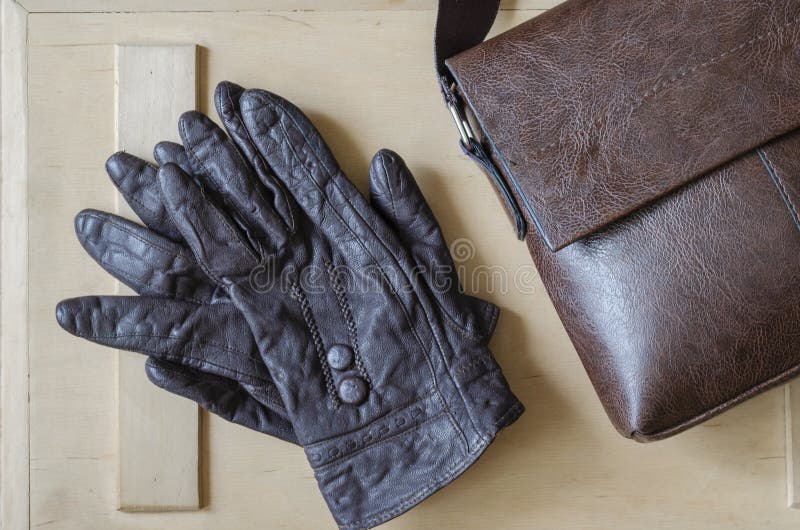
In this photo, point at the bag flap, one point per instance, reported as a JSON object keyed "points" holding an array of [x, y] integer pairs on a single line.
{"points": [[598, 107]]}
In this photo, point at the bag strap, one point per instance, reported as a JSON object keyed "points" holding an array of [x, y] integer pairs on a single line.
{"points": [[460, 25]]}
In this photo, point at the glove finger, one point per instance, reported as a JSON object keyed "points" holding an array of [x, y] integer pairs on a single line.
{"points": [[211, 338], [226, 99], [216, 161], [137, 181], [299, 157], [146, 262], [172, 153], [222, 396], [216, 242], [396, 196]]}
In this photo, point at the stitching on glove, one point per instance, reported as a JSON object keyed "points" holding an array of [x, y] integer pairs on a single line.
{"points": [[346, 226], [311, 324], [222, 218], [106, 221], [514, 410], [389, 187], [176, 356], [265, 391], [447, 476], [130, 171], [207, 173], [451, 472], [137, 281], [461, 370], [405, 432], [458, 328], [422, 400], [337, 215], [258, 161], [347, 313], [471, 334]]}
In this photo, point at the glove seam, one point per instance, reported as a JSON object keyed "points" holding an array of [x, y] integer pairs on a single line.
{"points": [[149, 288], [266, 393], [106, 265], [453, 321], [257, 256], [216, 279], [404, 432], [326, 202], [421, 400], [515, 408], [389, 187], [458, 328], [172, 357], [257, 156], [347, 314], [319, 348], [429, 488], [122, 228], [415, 498], [210, 179], [131, 173]]}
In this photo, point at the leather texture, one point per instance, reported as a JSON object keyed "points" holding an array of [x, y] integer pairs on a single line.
{"points": [[198, 344], [651, 143], [380, 361], [596, 108]]}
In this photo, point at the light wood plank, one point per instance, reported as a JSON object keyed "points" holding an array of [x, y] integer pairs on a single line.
{"points": [[792, 391], [14, 411], [158, 432], [366, 82], [134, 6]]}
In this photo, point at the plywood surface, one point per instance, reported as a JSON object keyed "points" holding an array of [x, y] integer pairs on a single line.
{"points": [[366, 79], [112, 6], [158, 433], [14, 411]]}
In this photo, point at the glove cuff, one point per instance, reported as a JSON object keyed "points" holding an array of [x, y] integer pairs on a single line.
{"points": [[401, 459]]}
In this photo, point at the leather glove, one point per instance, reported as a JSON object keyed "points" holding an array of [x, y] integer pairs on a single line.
{"points": [[384, 370], [198, 344]]}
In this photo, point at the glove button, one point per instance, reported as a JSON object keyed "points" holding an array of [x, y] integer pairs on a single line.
{"points": [[353, 390], [340, 357]]}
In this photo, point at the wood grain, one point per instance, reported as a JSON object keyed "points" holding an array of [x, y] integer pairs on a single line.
{"points": [[158, 432], [112, 6], [366, 80], [793, 444], [14, 412]]}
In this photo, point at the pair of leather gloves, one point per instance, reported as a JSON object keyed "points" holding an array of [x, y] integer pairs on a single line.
{"points": [[276, 296]]}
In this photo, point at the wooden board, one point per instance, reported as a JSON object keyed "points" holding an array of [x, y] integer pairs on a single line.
{"points": [[14, 413], [365, 79], [111, 6], [158, 432], [793, 444]]}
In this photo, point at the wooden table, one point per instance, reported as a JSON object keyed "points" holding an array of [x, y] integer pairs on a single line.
{"points": [[362, 70]]}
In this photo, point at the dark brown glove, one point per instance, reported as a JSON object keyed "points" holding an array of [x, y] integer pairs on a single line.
{"points": [[198, 344], [383, 368]]}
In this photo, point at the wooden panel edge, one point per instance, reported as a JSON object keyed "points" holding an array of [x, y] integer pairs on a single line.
{"points": [[167, 478], [14, 382], [792, 404], [141, 6]]}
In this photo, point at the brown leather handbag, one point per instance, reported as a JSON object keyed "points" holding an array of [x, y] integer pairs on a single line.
{"points": [[648, 153]]}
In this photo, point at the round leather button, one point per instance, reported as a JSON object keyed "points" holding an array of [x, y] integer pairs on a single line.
{"points": [[353, 390], [340, 357]]}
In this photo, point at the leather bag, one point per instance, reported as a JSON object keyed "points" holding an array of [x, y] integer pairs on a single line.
{"points": [[647, 154]]}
